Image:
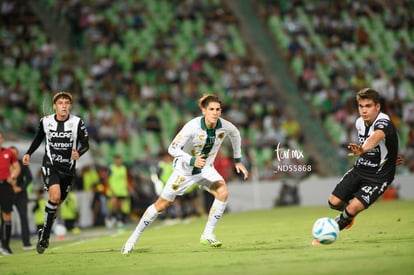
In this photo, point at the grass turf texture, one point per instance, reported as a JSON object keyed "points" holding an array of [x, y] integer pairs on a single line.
{"points": [[274, 241]]}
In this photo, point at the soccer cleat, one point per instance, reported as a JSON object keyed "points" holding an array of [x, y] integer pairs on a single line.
{"points": [[6, 251], [350, 224], [316, 243], [344, 223], [127, 248], [41, 244], [210, 240]]}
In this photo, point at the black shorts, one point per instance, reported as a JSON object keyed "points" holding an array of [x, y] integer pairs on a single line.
{"points": [[354, 186], [6, 197], [52, 176]]}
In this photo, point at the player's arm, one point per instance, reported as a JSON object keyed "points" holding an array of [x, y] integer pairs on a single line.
{"points": [[235, 138], [369, 144], [35, 144], [83, 140], [400, 160], [27, 176], [14, 171], [175, 148]]}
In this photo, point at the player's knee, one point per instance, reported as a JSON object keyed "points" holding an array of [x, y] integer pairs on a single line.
{"points": [[220, 192], [161, 204], [336, 206], [55, 199]]}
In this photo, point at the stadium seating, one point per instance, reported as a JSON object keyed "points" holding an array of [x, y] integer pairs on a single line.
{"points": [[382, 46], [166, 34]]}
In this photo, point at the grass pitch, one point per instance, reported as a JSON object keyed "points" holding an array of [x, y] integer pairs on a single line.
{"points": [[274, 241]]}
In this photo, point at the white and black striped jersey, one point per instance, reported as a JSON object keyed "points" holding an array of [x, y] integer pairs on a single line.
{"points": [[195, 139], [60, 138], [379, 163]]}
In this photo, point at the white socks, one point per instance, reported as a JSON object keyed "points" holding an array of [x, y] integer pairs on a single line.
{"points": [[149, 216], [216, 211]]}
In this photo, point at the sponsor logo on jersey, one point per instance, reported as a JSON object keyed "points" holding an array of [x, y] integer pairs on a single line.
{"points": [[381, 123], [60, 134], [60, 145], [365, 198]]}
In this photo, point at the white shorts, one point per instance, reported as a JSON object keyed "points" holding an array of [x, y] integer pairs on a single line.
{"points": [[177, 184]]}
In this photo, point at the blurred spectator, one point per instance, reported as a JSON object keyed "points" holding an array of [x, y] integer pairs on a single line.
{"points": [[90, 177], [69, 212], [152, 122], [118, 190], [39, 208], [99, 205]]}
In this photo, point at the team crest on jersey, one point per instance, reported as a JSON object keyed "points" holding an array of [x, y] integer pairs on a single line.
{"points": [[221, 135], [70, 125], [177, 139]]}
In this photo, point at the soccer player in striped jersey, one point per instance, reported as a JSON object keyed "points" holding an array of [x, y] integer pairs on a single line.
{"points": [[66, 141], [374, 170], [194, 150]]}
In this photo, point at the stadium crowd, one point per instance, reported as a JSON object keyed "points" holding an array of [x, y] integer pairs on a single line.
{"points": [[151, 60], [133, 98], [337, 48]]}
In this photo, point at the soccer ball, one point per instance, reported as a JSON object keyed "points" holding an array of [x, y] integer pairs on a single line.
{"points": [[325, 230], [60, 230]]}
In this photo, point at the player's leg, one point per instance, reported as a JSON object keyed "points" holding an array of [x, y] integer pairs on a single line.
{"points": [[6, 205], [51, 209], [220, 192], [21, 206], [367, 194], [150, 214], [58, 189], [341, 196], [176, 185], [346, 219]]}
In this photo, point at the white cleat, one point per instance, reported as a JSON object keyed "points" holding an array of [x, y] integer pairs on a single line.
{"points": [[127, 248]]}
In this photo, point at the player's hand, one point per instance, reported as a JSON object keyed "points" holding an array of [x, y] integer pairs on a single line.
{"points": [[400, 160], [356, 149], [200, 161], [241, 168], [75, 154], [17, 189], [26, 159]]}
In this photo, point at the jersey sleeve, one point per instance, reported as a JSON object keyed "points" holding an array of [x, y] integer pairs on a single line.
{"points": [[83, 138], [13, 157], [235, 138], [175, 148], [384, 125], [37, 140]]}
